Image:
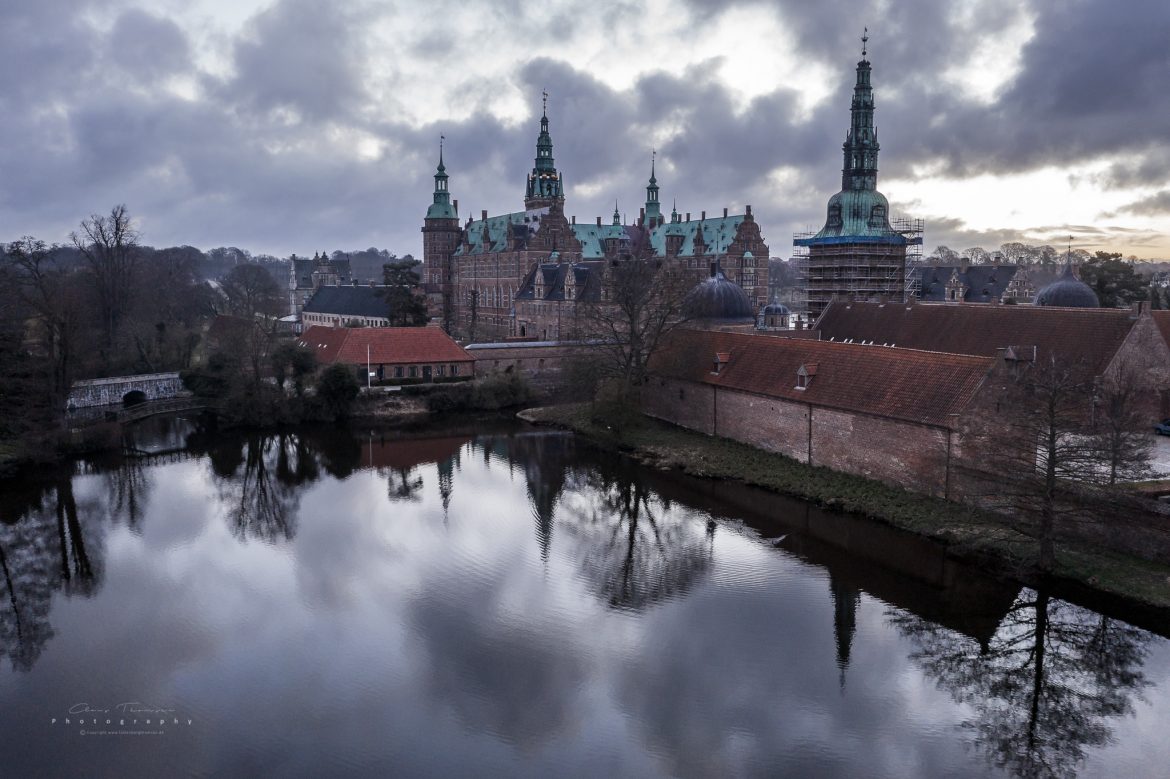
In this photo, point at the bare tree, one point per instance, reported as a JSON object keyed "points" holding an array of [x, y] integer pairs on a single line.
{"points": [[640, 303], [109, 245], [250, 290], [1122, 430], [54, 298], [1044, 453]]}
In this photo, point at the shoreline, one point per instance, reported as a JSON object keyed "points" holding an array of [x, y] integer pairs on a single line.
{"points": [[969, 534]]}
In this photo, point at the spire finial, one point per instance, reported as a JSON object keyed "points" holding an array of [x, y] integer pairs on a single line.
{"points": [[544, 107], [864, 40], [441, 139]]}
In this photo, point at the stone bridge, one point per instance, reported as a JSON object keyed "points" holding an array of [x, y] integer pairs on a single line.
{"points": [[125, 390]]}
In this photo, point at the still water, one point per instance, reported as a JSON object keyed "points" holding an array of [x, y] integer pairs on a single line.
{"points": [[513, 603]]}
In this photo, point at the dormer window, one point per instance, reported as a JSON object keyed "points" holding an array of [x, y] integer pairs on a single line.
{"points": [[721, 360], [804, 375], [835, 215]]}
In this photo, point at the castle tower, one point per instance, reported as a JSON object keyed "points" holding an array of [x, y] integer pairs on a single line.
{"points": [[858, 253], [653, 210], [441, 235], [545, 187]]}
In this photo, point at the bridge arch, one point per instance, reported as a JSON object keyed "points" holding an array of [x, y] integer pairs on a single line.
{"points": [[121, 390]]}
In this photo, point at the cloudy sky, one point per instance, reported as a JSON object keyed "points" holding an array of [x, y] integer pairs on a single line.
{"points": [[295, 125]]}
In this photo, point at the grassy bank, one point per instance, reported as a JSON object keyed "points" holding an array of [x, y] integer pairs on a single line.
{"points": [[966, 532]]}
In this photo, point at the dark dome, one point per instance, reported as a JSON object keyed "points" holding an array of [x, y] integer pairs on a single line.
{"points": [[1068, 292], [776, 307], [717, 297]]}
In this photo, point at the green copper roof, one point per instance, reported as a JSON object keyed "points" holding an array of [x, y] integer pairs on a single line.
{"points": [[717, 235], [441, 207], [441, 211], [593, 237], [544, 181], [497, 230], [858, 213]]}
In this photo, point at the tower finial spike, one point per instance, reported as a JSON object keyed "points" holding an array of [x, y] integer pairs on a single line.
{"points": [[441, 139], [544, 108], [864, 40]]}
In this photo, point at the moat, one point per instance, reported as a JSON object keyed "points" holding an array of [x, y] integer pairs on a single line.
{"points": [[500, 600]]}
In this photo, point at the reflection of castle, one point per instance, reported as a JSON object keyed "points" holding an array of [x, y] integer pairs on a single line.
{"points": [[522, 274]]}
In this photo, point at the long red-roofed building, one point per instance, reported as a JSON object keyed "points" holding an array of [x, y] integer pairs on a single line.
{"points": [[392, 353], [886, 413]]}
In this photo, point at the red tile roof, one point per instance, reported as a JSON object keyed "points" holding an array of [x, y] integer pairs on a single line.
{"points": [[387, 345], [1162, 320], [1090, 334], [410, 452], [906, 384]]}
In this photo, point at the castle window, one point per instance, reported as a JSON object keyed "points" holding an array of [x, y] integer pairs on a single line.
{"points": [[835, 215]]}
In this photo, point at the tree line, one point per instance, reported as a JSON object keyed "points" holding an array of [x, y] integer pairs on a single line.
{"points": [[102, 303]]}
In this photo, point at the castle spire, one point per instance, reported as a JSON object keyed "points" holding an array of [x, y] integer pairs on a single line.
{"points": [[617, 217], [441, 207], [653, 211], [544, 183], [861, 144]]}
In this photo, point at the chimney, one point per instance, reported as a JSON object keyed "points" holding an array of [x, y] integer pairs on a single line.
{"points": [[641, 216], [1140, 307], [599, 221], [703, 216], [688, 216], [574, 219], [456, 202], [724, 213], [483, 215]]}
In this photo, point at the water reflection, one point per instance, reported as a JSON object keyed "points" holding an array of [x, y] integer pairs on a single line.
{"points": [[49, 548], [571, 613], [1052, 681]]}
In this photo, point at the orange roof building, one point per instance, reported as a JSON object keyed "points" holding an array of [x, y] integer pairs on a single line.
{"points": [[391, 352]]}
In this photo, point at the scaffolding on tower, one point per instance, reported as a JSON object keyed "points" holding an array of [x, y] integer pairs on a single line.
{"points": [[858, 270]]}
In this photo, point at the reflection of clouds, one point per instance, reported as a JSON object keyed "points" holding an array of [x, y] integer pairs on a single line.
{"points": [[501, 675], [379, 641]]}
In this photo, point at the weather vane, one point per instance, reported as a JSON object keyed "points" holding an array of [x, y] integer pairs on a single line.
{"points": [[545, 102], [864, 40]]}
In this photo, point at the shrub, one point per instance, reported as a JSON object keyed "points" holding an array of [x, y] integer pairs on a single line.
{"points": [[337, 391]]}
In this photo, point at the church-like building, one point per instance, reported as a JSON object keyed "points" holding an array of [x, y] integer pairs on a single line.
{"points": [[858, 253], [521, 275]]}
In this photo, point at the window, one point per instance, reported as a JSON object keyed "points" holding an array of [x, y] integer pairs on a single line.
{"points": [[413, 372], [440, 370], [398, 371], [454, 370]]}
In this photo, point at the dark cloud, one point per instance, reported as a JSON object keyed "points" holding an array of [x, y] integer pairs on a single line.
{"points": [[254, 158], [147, 46], [306, 56], [1154, 205]]}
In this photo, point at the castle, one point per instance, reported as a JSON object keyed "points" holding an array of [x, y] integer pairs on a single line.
{"points": [[521, 275]]}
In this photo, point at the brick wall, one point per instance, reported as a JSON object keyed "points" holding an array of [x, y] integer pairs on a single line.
{"points": [[901, 453]]}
